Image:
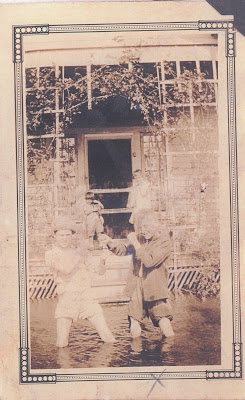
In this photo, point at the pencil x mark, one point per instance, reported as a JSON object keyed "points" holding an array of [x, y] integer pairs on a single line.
{"points": [[157, 379]]}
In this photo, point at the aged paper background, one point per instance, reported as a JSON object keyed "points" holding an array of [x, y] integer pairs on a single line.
{"points": [[9, 343]]}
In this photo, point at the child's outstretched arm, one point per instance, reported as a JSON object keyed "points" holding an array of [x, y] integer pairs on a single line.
{"points": [[121, 249], [117, 248]]}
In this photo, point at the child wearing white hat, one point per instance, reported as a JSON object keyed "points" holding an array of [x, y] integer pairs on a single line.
{"points": [[75, 297]]}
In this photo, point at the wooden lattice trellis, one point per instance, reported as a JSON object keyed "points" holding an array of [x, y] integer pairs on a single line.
{"points": [[42, 286]]}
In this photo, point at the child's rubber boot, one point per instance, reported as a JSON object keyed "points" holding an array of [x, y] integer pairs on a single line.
{"points": [[63, 329], [166, 327], [135, 328], [100, 325]]}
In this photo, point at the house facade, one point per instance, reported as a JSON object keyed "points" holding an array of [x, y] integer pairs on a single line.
{"points": [[86, 139]]}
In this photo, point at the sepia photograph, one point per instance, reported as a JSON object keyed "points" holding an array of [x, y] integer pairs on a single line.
{"points": [[122, 189], [121, 154]]}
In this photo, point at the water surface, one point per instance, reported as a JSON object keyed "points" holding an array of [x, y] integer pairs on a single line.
{"points": [[196, 341]]}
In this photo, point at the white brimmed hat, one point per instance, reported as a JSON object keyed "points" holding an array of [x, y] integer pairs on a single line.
{"points": [[64, 223]]}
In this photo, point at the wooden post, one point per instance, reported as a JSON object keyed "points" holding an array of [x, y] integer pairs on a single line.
{"points": [[57, 155], [171, 208], [89, 87]]}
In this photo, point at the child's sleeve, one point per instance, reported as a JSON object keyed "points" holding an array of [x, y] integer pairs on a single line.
{"points": [[155, 254], [131, 199], [121, 249]]}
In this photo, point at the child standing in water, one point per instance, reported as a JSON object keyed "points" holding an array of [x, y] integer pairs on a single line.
{"points": [[75, 297], [94, 219], [147, 283]]}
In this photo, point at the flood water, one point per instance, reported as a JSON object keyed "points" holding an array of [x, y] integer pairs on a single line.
{"points": [[196, 341]]}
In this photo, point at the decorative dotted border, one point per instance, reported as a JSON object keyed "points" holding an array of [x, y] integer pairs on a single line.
{"points": [[19, 31], [228, 26], [162, 26], [237, 370], [26, 377], [214, 26], [132, 376], [21, 203]]}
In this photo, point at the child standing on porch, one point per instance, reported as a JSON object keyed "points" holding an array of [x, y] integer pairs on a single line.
{"points": [[75, 298], [139, 196], [94, 219]]}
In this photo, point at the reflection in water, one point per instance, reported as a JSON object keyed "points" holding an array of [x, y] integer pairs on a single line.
{"points": [[196, 340], [102, 356], [64, 357]]}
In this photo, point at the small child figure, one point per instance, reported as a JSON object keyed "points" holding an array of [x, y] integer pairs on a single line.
{"points": [[75, 297], [139, 196], [94, 219]]}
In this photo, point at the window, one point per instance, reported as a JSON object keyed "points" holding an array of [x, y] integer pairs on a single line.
{"points": [[180, 95], [170, 70], [187, 66], [206, 67]]}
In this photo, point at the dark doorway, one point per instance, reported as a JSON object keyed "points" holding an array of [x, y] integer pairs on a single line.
{"points": [[110, 164], [110, 178]]}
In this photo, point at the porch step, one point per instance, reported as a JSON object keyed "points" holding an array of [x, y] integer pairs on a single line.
{"points": [[116, 299], [111, 292]]}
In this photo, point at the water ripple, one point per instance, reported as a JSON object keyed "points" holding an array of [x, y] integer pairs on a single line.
{"points": [[197, 339]]}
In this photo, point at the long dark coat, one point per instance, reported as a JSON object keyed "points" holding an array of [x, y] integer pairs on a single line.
{"points": [[154, 258]]}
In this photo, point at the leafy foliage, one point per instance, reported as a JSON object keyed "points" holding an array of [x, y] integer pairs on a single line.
{"points": [[142, 91], [209, 282], [207, 257], [134, 88]]}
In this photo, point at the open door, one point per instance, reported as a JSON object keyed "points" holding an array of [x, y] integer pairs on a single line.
{"points": [[110, 160]]}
